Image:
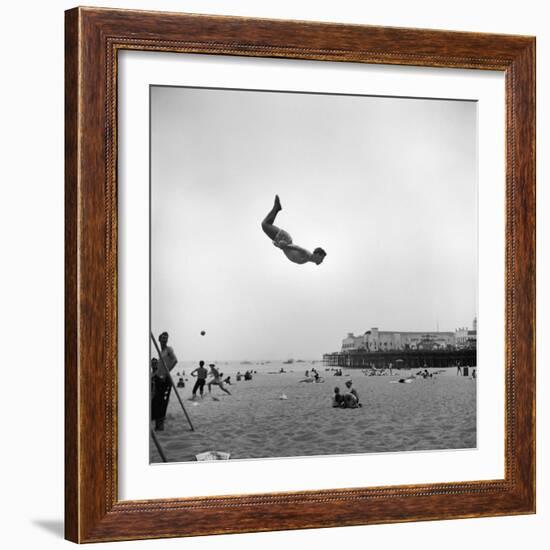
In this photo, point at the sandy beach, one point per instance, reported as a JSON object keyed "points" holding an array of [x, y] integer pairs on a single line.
{"points": [[254, 422]]}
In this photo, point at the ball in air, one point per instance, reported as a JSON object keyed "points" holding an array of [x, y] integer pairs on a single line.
{"points": [[203, 332]]}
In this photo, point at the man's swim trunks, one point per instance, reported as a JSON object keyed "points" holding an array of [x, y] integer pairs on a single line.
{"points": [[282, 237]]}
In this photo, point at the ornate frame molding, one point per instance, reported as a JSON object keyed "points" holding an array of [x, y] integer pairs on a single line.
{"points": [[93, 38]]}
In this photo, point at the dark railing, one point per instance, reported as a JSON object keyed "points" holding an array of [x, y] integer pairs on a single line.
{"points": [[409, 359]]}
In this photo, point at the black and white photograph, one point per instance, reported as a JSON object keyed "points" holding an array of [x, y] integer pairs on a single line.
{"points": [[313, 274], [281, 268]]}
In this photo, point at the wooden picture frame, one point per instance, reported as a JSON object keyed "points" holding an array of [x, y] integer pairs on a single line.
{"points": [[93, 511]]}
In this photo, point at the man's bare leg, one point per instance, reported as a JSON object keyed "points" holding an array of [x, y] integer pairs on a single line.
{"points": [[267, 225], [224, 389]]}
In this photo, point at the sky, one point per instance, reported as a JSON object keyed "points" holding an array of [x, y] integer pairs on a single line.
{"points": [[387, 186]]}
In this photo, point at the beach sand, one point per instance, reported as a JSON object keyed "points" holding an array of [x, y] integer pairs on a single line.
{"points": [[253, 422]]}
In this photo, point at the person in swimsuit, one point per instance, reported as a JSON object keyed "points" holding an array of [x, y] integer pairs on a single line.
{"points": [[216, 380], [201, 373], [281, 239], [162, 385], [337, 398], [351, 398]]}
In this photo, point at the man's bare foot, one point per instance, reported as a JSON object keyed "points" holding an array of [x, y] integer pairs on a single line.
{"points": [[277, 203]]}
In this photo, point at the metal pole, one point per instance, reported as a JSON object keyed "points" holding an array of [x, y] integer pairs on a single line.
{"points": [[172, 382], [157, 445]]}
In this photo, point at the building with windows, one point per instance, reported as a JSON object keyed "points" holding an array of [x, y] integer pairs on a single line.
{"points": [[352, 343], [381, 340], [466, 338]]}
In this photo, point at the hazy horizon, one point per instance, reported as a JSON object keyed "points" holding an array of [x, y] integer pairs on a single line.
{"points": [[387, 186]]}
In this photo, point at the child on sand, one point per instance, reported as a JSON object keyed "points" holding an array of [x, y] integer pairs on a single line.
{"points": [[337, 398], [281, 239]]}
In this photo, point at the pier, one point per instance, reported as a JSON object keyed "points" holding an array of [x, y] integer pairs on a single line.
{"points": [[402, 359]]}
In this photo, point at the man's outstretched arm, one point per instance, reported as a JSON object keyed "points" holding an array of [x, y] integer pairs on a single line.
{"points": [[291, 247]]}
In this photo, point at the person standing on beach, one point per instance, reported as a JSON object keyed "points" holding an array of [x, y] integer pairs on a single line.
{"points": [[161, 382], [201, 374], [154, 370], [281, 239], [216, 380]]}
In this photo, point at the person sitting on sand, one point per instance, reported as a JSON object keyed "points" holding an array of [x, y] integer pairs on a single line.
{"points": [[351, 398], [337, 398], [216, 380], [281, 239]]}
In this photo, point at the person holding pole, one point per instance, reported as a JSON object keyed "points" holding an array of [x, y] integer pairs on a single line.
{"points": [[161, 382]]}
